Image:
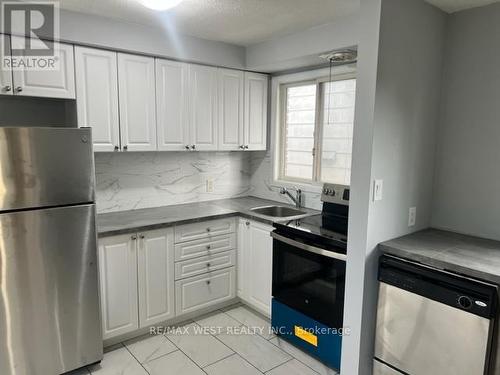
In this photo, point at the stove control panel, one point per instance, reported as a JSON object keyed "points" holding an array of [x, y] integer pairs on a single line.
{"points": [[333, 193]]}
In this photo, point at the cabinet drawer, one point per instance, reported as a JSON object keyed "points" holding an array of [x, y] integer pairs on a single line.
{"points": [[209, 263], [204, 247], [198, 292], [205, 229]]}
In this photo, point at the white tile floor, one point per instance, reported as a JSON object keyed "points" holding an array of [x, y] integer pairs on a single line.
{"points": [[218, 352]]}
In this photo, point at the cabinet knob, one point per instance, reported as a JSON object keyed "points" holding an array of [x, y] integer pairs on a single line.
{"points": [[187, 147], [134, 237], [208, 282], [208, 229], [193, 147], [141, 236], [208, 247], [117, 148], [19, 89], [246, 147], [7, 88], [242, 147], [247, 223], [125, 148], [208, 264]]}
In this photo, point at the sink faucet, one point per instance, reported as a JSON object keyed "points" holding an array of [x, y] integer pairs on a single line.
{"points": [[298, 196]]}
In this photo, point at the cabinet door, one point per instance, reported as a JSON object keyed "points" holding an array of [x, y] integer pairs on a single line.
{"points": [[242, 258], [171, 105], [118, 283], [260, 267], [203, 107], [57, 83], [230, 99], [136, 82], [156, 276], [255, 111], [5, 74], [97, 96]]}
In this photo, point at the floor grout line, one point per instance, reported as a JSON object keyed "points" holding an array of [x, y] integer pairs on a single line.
{"points": [[238, 354], [128, 350], [305, 364]]}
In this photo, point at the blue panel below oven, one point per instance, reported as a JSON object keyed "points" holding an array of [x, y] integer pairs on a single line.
{"points": [[324, 344]]}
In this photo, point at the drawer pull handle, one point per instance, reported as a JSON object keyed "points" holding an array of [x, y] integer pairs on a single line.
{"points": [[208, 264], [208, 247], [208, 282]]}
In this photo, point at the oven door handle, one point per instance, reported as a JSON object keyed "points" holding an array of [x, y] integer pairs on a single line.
{"points": [[311, 249]]}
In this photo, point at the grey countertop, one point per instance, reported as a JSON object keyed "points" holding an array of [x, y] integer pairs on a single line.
{"points": [[120, 222], [467, 255]]}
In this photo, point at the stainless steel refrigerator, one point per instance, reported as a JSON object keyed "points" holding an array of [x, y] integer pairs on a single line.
{"points": [[49, 305]]}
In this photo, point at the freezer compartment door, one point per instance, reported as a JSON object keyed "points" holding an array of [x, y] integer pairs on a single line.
{"points": [[43, 167], [419, 336], [49, 305]]}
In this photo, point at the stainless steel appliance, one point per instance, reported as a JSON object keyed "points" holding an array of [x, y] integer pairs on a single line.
{"points": [[309, 277], [49, 306], [431, 321]]}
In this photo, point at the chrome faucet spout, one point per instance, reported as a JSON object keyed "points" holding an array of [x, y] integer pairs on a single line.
{"points": [[298, 196]]}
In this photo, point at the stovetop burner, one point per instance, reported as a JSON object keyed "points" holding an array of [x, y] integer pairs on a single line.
{"points": [[328, 229]]}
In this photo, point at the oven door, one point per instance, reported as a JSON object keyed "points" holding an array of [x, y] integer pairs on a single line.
{"points": [[309, 279]]}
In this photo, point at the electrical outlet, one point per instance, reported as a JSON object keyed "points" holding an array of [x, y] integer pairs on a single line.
{"points": [[412, 216], [209, 185], [378, 186]]}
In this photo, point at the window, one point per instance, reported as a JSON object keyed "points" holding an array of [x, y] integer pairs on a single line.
{"points": [[317, 126]]}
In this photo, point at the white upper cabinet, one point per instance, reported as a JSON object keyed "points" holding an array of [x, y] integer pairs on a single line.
{"points": [[136, 87], [97, 96], [203, 107], [256, 87], [156, 276], [57, 83], [171, 105], [5, 74], [231, 103]]}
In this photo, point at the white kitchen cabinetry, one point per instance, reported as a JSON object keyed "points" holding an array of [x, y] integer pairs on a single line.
{"points": [[254, 260], [171, 105], [56, 83], [118, 283], [137, 280], [5, 74], [136, 88], [156, 276], [230, 98], [97, 96], [255, 119], [203, 107]]}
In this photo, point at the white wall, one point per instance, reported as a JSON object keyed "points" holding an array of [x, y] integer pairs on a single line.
{"points": [[403, 132], [302, 48], [115, 34], [126, 181], [468, 163]]}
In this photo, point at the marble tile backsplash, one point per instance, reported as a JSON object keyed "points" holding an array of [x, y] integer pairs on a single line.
{"points": [[262, 182], [127, 181]]}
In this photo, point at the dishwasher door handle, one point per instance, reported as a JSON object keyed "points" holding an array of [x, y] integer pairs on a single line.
{"points": [[311, 249]]}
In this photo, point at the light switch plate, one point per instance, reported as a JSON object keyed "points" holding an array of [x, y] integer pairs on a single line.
{"points": [[378, 187], [412, 216]]}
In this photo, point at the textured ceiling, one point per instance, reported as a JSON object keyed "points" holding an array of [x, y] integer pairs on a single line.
{"points": [[241, 22], [452, 6]]}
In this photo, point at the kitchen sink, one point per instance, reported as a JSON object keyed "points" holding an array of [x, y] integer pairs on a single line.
{"points": [[277, 211]]}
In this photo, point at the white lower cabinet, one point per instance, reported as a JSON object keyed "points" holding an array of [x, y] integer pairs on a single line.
{"points": [[136, 281], [255, 264], [118, 284], [156, 276], [202, 291]]}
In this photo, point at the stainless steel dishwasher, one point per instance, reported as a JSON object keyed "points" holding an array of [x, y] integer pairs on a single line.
{"points": [[431, 321]]}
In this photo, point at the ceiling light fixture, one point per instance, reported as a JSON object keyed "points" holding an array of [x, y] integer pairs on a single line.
{"points": [[160, 5]]}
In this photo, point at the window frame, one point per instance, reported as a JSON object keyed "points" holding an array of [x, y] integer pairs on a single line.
{"points": [[318, 127]]}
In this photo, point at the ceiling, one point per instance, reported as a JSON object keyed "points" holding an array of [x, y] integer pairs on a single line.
{"points": [[452, 6], [241, 22]]}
